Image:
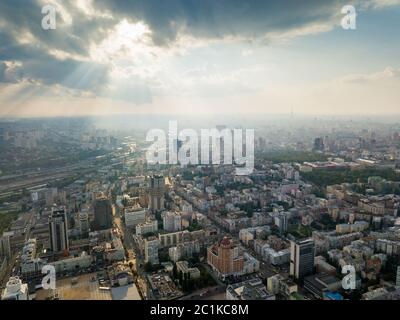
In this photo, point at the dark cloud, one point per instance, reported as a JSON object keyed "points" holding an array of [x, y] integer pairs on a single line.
{"points": [[220, 18], [248, 19], [23, 18], [3, 68]]}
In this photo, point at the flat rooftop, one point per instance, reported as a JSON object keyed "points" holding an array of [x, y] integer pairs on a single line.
{"points": [[129, 292], [83, 289]]}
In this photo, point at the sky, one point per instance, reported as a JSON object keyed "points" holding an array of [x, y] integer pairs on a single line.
{"points": [[199, 57]]}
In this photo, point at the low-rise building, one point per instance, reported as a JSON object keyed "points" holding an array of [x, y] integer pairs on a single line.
{"points": [[252, 289], [318, 284], [183, 266], [15, 290], [147, 227]]}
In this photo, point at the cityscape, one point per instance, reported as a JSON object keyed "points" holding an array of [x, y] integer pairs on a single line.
{"points": [[155, 156]]}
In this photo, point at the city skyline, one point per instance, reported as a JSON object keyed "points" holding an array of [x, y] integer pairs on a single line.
{"points": [[178, 154]]}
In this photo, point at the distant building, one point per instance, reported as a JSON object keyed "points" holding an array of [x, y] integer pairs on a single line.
{"points": [[58, 229], [224, 258], [302, 255], [252, 289], [318, 144], [156, 193], [102, 214], [15, 290]]}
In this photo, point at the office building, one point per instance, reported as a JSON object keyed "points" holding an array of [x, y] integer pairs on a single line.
{"points": [[58, 230], [156, 193], [103, 217], [84, 224], [302, 258]]}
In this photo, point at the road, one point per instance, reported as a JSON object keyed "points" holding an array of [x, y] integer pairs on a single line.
{"points": [[133, 257]]}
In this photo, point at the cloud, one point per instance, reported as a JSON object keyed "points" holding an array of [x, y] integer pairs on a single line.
{"points": [[388, 74], [3, 68], [250, 19], [92, 42]]}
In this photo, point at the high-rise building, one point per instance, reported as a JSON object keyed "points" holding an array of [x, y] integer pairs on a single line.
{"points": [[102, 214], [319, 144], [281, 221], [156, 193], [151, 245], [302, 258], [172, 221], [15, 290], [224, 258], [5, 248], [58, 228], [84, 223]]}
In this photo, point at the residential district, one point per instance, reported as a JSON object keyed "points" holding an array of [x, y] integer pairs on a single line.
{"points": [[114, 227]]}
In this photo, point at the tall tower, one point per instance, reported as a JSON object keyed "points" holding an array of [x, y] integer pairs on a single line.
{"points": [[302, 258], [102, 213], [156, 193], [58, 230], [84, 224]]}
